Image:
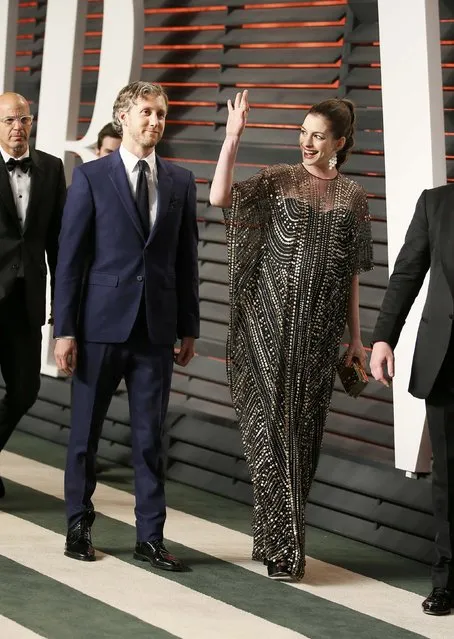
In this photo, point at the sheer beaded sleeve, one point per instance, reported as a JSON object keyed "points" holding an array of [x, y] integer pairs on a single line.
{"points": [[245, 224], [364, 260], [249, 201]]}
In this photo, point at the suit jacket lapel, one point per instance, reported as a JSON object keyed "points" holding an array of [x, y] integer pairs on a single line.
{"points": [[6, 195], [445, 240], [120, 181], [37, 186], [165, 187]]}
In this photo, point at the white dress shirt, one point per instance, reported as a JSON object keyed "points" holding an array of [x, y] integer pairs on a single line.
{"points": [[131, 163], [20, 185]]}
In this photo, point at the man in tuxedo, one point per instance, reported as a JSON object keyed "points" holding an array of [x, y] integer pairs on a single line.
{"points": [[108, 140], [32, 195], [131, 216], [428, 247]]}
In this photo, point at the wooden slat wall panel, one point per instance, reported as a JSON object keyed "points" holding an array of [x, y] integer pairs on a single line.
{"points": [[290, 57]]}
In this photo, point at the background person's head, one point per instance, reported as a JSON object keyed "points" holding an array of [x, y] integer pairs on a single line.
{"points": [[108, 140], [15, 124], [327, 133], [139, 115]]}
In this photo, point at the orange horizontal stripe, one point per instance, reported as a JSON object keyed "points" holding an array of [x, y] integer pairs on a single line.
{"points": [[294, 45], [26, 20], [191, 103], [323, 65], [295, 127], [293, 25], [187, 10], [22, 53], [190, 84], [259, 85], [190, 122], [23, 69], [176, 47], [25, 36], [264, 105], [93, 34], [210, 27], [199, 161], [292, 5], [94, 16], [180, 66], [26, 5]]}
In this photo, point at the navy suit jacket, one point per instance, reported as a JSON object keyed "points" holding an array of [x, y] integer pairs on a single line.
{"points": [[106, 263]]}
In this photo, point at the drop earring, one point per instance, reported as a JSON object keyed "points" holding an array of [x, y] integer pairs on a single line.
{"points": [[332, 161]]}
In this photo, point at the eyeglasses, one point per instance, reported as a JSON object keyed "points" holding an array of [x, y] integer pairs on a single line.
{"points": [[9, 121]]}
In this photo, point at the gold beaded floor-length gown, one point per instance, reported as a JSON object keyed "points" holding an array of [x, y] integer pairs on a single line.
{"points": [[294, 243]]}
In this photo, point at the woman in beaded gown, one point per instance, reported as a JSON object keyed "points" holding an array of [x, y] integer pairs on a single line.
{"points": [[297, 236]]}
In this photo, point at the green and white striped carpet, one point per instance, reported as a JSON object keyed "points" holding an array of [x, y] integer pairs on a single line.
{"points": [[351, 591]]}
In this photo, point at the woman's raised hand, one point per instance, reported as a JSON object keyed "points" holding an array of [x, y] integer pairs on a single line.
{"points": [[238, 112]]}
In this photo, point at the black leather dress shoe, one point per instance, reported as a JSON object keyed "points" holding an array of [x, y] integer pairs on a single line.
{"points": [[439, 602], [278, 570], [78, 542], [157, 554], [2, 488]]}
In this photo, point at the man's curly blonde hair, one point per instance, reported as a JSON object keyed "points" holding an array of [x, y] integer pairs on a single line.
{"points": [[129, 96]]}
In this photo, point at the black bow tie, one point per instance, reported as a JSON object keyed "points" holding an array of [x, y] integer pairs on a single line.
{"points": [[24, 164]]}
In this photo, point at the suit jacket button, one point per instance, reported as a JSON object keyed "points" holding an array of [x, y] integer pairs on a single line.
{"points": [[139, 278], [15, 267]]}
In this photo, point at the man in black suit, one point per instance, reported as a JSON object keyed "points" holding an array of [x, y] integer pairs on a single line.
{"points": [[429, 246], [108, 141], [32, 195]]}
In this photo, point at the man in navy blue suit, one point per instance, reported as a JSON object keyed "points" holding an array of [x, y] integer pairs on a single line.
{"points": [[126, 288]]}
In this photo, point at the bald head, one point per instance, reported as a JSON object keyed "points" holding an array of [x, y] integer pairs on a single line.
{"points": [[15, 123], [13, 100]]}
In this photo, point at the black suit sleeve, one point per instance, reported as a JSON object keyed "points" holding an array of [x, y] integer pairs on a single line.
{"points": [[53, 230], [410, 269], [187, 271]]}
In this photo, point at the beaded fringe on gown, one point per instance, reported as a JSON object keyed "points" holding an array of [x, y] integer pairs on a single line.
{"points": [[294, 243]]}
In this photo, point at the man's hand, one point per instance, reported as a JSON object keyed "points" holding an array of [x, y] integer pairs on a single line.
{"points": [[381, 353], [183, 356], [65, 353]]}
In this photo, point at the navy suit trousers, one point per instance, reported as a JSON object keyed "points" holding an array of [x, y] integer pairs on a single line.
{"points": [[147, 370]]}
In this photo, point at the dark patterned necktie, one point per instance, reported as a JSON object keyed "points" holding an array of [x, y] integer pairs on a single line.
{"points": [[142, 199], [24, 164]]}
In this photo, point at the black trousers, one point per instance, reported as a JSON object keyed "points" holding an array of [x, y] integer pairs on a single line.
{"points": [[20, 360], [440, 420]]}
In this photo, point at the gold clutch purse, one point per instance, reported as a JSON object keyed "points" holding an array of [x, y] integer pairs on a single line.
{"points": [[354, 377]]}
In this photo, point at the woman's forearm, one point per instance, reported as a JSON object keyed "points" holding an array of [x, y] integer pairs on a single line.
{"points": [[221, 187], [353, 310]]}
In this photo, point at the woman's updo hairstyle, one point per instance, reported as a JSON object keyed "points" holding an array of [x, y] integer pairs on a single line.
{"points": [[340, 113]]}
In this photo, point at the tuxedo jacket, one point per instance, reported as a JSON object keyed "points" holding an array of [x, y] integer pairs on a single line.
{"points": [[24, 249], [428, 246], [107, 267]]}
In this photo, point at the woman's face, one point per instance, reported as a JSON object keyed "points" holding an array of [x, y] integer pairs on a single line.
{"points": [[317, 142]]}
